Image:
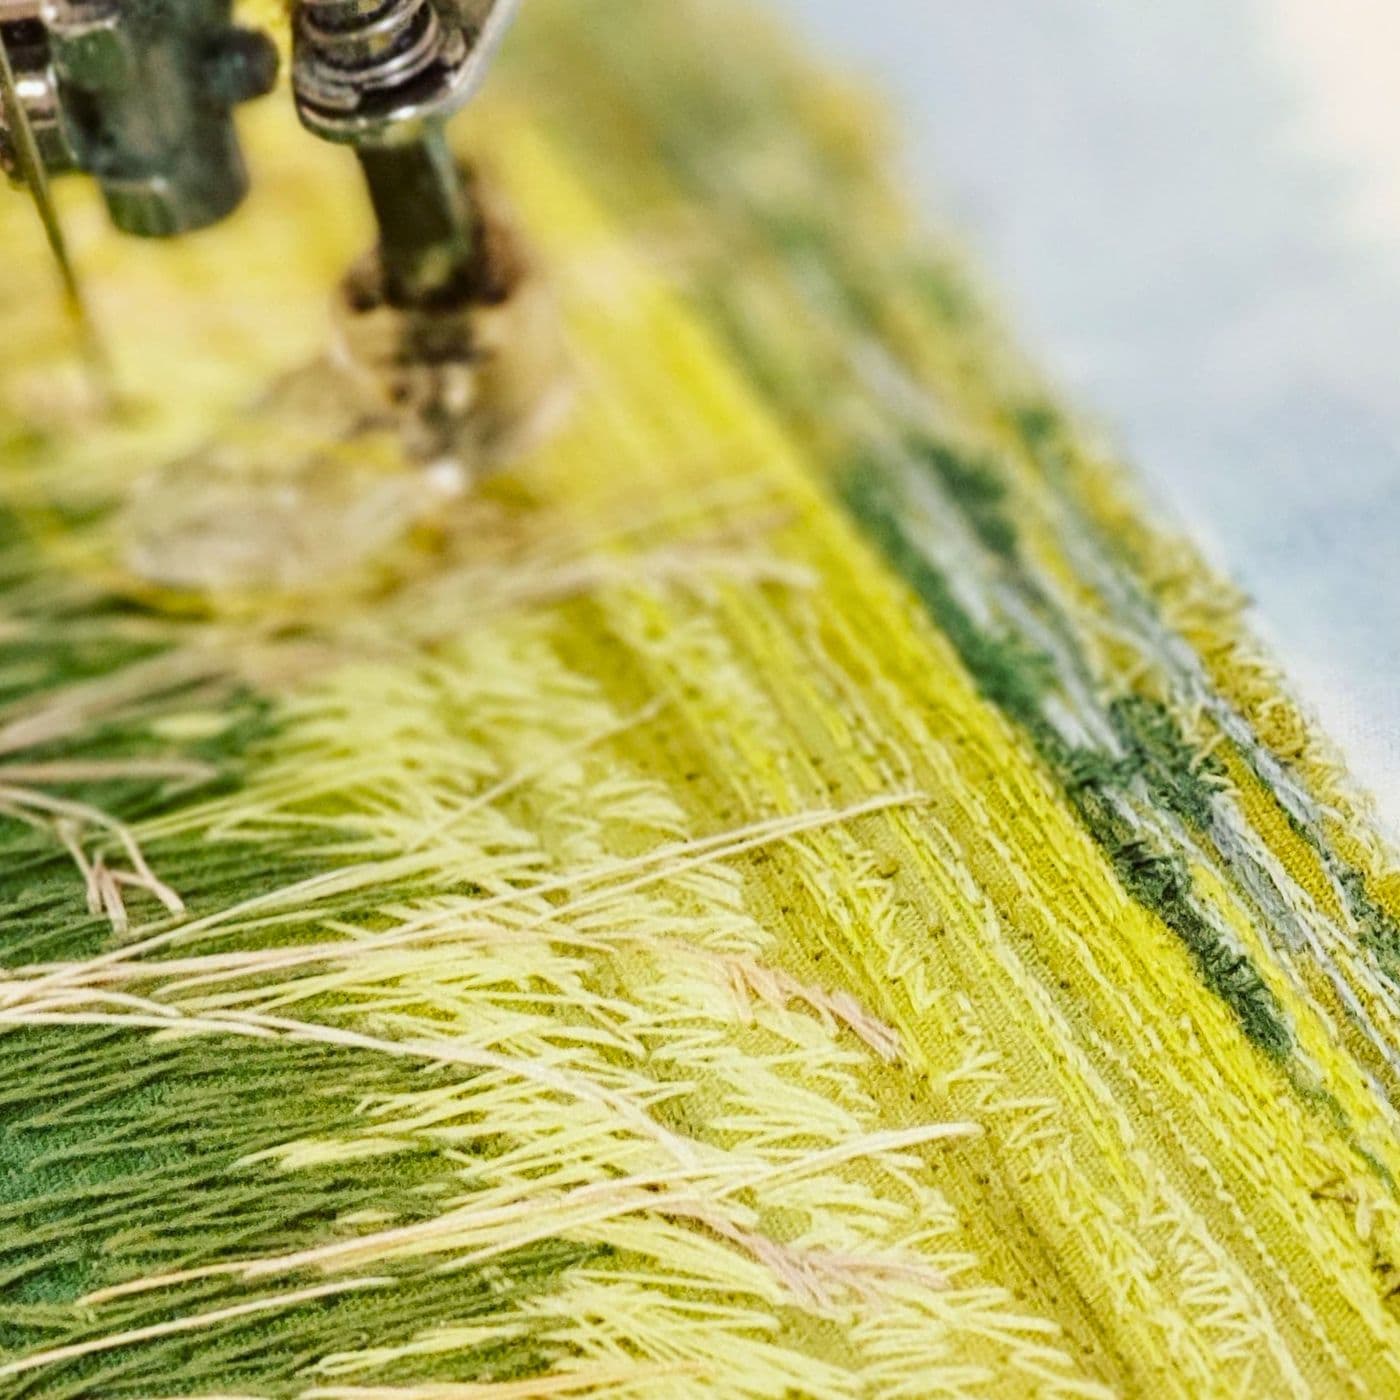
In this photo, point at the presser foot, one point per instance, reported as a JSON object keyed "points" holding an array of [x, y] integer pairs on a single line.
{"points": [[349, 458], [473, 378]]}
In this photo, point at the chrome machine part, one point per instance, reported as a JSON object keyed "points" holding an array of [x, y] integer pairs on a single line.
{"points": [[139, 94], [383, 76], [372, 72], [26, 44]]}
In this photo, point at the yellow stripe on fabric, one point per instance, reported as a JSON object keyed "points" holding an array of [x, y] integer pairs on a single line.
{"points": [[1265, 815]]}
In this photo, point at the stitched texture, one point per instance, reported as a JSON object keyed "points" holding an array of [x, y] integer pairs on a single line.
{"points": [[800, 889]]}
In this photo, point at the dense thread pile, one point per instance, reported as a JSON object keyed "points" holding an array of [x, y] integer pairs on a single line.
{"points": [[800, 890]]}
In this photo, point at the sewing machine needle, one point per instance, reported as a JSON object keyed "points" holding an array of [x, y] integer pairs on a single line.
{"points": [[36, 178]]}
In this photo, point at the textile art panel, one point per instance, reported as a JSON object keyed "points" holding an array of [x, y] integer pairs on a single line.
{"points": [[799, 888]]}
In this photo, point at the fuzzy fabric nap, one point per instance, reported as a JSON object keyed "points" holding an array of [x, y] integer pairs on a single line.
{"points": [[799, 889]]}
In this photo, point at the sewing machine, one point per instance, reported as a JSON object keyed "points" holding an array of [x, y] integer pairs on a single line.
{"points": [[140, 95], [444, 338]]}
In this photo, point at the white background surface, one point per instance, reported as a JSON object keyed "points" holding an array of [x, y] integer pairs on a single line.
{"points": [[1191, 213]]}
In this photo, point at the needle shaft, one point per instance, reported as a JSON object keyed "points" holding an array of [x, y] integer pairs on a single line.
{"points": [[31, 165]]}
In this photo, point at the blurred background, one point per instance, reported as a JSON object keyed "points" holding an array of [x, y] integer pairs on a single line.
{"points": [[1190, 213]]}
